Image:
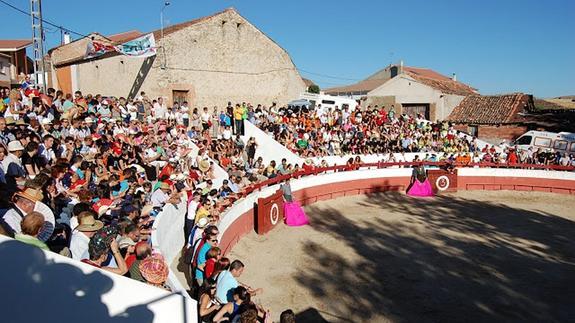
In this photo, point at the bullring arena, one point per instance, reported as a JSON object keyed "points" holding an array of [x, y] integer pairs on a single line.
{"points": [[498, 249], [473, 255]]}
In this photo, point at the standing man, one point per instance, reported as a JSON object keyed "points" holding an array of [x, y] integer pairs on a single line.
{"points": [[239, 119]]}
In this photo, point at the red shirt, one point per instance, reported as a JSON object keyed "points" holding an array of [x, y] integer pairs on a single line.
{"points": [[167, 170], [209, 268]]}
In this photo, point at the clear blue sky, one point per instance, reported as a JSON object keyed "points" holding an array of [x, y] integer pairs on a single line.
{"points": [[497, 46]]}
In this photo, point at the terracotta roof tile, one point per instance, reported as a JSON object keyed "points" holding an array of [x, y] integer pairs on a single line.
{"points": [[438, 81], [125, 36], [14, 44], [307, 82], [363, 86], [493, 109]]}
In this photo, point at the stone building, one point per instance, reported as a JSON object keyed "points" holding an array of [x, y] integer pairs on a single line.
{"points": [[496, 117], [410, 90], [208, 62]]}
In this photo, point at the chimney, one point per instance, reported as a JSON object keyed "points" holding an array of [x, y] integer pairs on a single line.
{"points": [[400, 66], [66, 38], [454, 77]]}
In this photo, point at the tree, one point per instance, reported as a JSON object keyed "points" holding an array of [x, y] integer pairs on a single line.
{"points": [[313, 89]]}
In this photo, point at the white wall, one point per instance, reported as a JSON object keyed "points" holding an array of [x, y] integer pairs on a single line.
{"points": [[41, 286], [408, 90], [168, 237], [268, 148], [5, 69]]}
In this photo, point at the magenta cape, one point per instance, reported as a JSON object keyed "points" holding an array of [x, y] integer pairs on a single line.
{"points": [[420, 189], [294, 214]]}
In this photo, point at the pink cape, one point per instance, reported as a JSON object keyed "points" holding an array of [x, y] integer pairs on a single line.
{"points": [[294, 214], [420, 189]]}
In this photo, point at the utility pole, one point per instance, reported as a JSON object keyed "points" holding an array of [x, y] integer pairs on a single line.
{"points": [[38, 43], [166, 4]]}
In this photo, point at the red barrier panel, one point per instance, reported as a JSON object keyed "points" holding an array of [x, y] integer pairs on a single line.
{"points": [[443, 180], [441, 165], [269, 212]]}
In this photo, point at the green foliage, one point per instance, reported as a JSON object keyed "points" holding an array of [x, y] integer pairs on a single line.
{"points": [[313, 89]]}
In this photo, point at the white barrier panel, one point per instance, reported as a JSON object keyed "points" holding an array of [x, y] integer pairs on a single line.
{"points": [[373, 158], [43, 286], [247, 203], [168, 238], [268, 148]]}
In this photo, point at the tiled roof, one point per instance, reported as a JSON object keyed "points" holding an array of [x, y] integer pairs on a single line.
{"points": [[307, 82], [493, 109], [363, 86], [438, 81], [125, 36], [14, 44]]}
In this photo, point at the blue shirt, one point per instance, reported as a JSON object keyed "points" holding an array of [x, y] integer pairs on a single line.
{"points": [[124, 185], [225, 287], [202, 259]]}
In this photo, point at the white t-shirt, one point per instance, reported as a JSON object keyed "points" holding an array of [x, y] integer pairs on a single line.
{"points": [[159, 198]]}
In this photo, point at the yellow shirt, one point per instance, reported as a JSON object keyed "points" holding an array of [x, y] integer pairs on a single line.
{"points": [[238, 113], [201, 213]]}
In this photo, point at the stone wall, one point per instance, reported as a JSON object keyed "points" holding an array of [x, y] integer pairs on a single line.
{"points": [[220, 59]]}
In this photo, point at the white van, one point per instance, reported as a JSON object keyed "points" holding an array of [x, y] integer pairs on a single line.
{"points": [[329, 101], [563, 141]]}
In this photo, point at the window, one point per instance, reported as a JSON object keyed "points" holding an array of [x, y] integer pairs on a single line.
{"points": [[327, 102], [542, 142], [572, 147], [525, 140], [560, 144], [473, 130], [2, 68]]}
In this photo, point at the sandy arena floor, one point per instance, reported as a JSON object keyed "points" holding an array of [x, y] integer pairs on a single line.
{"points": [[470, 256]]}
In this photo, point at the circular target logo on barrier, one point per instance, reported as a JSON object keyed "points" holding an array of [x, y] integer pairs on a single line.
{"points": [[274, 214], [442, 183]]}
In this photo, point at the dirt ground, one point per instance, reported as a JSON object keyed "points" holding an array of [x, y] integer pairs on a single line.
{"points": [[470, 256]]}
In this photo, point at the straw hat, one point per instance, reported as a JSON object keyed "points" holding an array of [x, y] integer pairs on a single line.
{"points": [[10, 120], [89, 224], [15, 145], [31, 194], [20, 122], [308, 161], [204, 165], [202, 222], [154, 269]]}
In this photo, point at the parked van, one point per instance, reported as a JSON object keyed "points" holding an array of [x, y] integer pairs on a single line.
{"points": [[563, 141], [329, 101]]}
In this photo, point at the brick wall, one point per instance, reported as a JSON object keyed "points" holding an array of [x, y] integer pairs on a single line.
{"points": [[502, 132], [496, 133]]}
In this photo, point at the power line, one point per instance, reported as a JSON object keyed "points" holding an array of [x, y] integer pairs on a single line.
{"points": [[329, 76], [43, 20]]}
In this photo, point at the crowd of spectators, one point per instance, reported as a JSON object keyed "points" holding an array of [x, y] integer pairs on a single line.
{"points": [[321, 132], [85, 175]]}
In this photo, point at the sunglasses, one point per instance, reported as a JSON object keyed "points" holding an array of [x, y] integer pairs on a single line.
{"points": [[214, 240]]}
